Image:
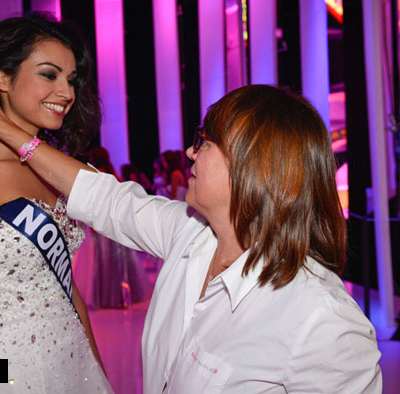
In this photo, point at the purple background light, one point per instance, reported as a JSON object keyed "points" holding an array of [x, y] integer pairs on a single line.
{"points": [[314, 55], [51, 6], [235, 58], [263, 50], [212, 49], [167, 75], [11, 8], [111, 79]]}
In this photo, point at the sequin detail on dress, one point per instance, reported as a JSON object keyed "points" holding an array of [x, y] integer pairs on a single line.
{"points": [[40, 333]]}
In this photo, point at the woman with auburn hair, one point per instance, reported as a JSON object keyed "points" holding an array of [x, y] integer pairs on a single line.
{"points": [[248, 299]]}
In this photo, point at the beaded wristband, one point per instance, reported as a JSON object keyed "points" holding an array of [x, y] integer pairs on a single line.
{"points": [[26, 150]]}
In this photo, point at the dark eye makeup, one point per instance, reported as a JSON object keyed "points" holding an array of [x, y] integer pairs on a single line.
{"points": [[50, 75]]}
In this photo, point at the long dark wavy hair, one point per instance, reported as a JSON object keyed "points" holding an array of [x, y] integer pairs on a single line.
{"points": [[18, 37], [284, 204]]}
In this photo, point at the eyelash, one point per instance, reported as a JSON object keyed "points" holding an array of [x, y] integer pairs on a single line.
{"points": [[49, 76], [53, 77]]}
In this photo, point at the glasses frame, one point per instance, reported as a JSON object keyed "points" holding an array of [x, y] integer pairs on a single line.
{"points": [[199, 137]]}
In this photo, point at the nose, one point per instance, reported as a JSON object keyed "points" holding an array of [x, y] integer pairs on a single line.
{"points": [[190, 153], [66, 91]]}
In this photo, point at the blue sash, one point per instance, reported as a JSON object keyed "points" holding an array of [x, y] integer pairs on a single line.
{"points": [[39, 227]]}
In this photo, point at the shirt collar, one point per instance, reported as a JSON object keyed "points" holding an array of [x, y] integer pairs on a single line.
{"points": [[239, 286]]}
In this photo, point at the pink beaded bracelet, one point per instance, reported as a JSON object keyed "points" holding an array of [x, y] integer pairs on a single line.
{"points": [[26, 150]]}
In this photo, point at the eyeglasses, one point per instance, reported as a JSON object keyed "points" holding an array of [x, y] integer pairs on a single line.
{"points": [[199, 137]]}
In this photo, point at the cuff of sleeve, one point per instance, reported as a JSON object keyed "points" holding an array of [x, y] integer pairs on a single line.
{"points": [[80, 195]]}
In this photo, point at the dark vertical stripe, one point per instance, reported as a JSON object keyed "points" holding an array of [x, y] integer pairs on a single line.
{"points": [[289, 60], [81, 13], [141, 84], [357, 142], [26, 6], [188, 30], [356, 107]]}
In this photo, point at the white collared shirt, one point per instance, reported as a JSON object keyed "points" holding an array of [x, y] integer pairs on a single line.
{"points": [[307, 337]]}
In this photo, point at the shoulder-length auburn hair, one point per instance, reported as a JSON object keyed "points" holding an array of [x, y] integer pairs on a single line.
{"points": [[284, 203]]}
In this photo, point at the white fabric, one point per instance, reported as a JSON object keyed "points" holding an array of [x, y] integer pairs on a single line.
{"points": [[308, 337], [40, 332]]}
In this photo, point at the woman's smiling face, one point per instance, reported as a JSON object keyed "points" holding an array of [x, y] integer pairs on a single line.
{"points": [[42, 92]]}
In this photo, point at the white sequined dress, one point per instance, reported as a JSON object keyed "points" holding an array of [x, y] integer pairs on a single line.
{"points": [[40, 333]]}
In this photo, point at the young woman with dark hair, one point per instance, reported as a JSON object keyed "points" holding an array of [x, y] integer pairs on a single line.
{"points": [[45, 331], [248, 299], [18, 38]]}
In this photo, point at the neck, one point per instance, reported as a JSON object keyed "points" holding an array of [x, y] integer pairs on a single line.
{"points": [[7, 153], [18, 121], [228, 247]]}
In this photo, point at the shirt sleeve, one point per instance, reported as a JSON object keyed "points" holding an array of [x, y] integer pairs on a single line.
{"points": [[125, 213], [335, 352]]}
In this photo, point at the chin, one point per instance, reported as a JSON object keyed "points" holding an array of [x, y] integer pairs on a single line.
{"points": [[193, 204], [51, 126], [51, 123]]}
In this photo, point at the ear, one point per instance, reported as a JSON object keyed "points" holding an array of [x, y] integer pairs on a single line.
{"points": [[5, 82]]}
